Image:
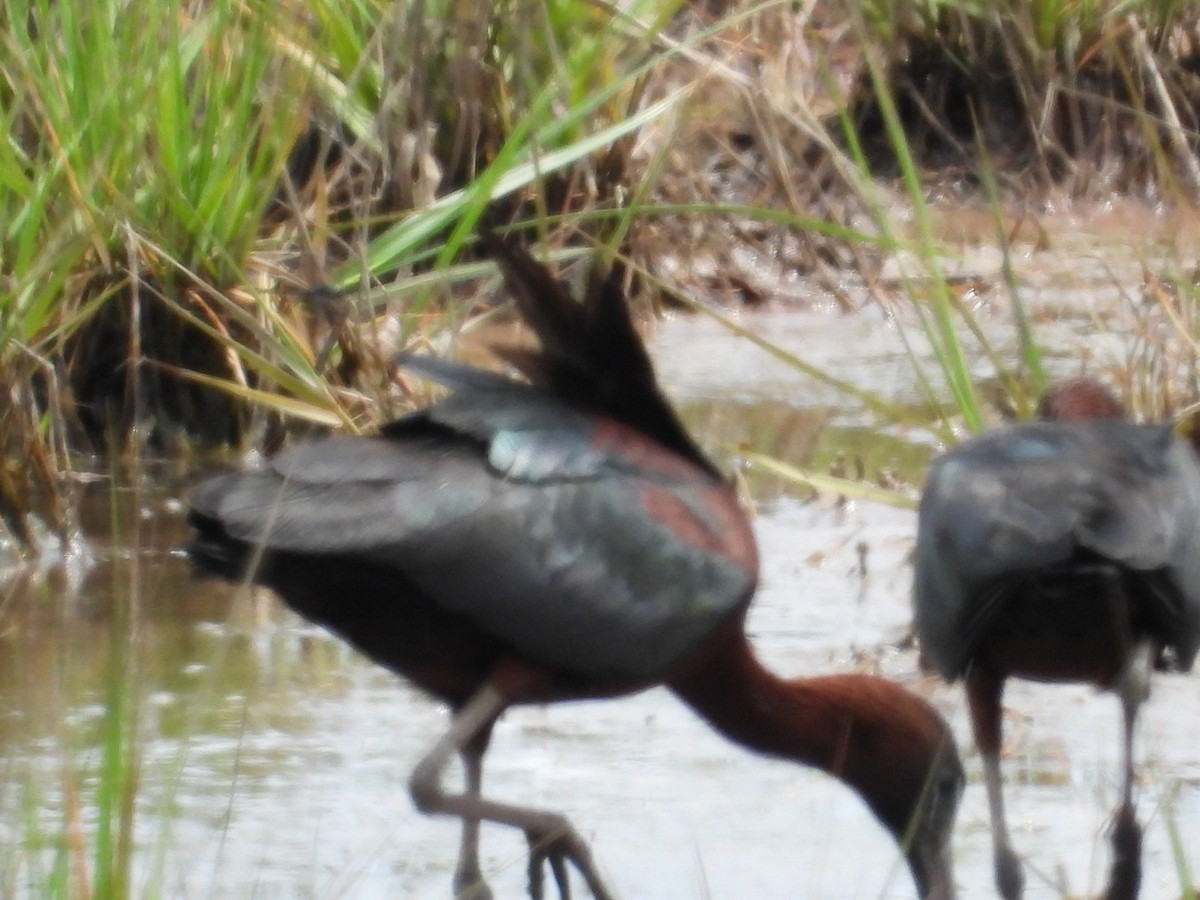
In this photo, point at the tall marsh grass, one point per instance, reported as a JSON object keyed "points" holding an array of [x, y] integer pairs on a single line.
{"points": [[218, 220]]}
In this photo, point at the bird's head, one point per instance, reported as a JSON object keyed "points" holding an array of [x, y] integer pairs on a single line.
{"points": [[899, 754], [1079, 399]]}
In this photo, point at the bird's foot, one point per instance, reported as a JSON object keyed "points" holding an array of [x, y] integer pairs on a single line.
{"points": [[559, 845], [1125, 878], [469, 885], [1010, 876]]}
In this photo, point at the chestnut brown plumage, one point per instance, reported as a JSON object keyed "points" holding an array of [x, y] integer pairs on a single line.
{"points": [[559, 540]]}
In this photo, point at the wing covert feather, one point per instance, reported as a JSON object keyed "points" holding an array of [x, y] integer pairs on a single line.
{"points": [[1031, 497], [566, 559]]}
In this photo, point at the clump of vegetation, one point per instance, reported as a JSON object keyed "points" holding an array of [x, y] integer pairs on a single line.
{"points": [[1092, 98], [184, 190]]}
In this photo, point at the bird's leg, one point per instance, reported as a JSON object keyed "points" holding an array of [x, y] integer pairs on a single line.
{"points": [[1133, 687], [551, 836], [469, 883], [542, 849], [984, 690]]}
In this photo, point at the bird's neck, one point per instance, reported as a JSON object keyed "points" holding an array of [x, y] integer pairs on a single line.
{"points": [[870, 733], [814, 721]]}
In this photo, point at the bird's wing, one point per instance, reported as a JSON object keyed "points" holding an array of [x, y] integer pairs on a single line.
{"points": [[1027, 498], [565, 535], [591, 355]]}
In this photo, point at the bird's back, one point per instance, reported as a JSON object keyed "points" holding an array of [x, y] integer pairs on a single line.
{"points": [[571, 521], [1043, 514]]}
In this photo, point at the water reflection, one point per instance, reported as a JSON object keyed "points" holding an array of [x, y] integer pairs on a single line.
{"points": [[812, 438]]}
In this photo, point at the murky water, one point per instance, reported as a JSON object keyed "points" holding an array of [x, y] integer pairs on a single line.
{"points": [[272, 761]]}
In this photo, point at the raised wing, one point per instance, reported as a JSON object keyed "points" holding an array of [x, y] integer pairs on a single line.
{"points": [[591, 355]]}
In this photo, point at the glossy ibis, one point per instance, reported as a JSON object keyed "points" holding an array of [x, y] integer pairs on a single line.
{"points": [[1061, 550], [558, 540]]}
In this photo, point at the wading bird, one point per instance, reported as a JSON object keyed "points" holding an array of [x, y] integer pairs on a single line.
{"points": [[558, 540], [1061, 550]]}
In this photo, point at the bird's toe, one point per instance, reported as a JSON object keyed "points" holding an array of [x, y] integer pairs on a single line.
{"points": [[1125, 879], [470, 885], [559, 845], [1010, 877]]}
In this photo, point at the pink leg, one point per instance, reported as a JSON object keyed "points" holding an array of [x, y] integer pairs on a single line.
{"points": [[1133, 687], [552, 838], [984, 690], [469, 883]]}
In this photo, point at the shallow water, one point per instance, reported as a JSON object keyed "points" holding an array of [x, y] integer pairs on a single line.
{"points": [[273, 760], [280, 758]]}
